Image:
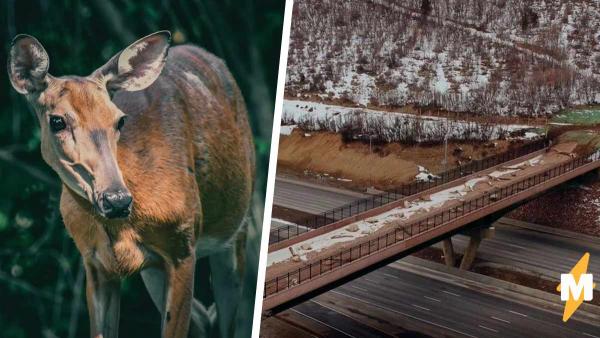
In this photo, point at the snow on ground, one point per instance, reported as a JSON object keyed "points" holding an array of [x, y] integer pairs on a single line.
{"points": [[531, 162], [318, 114], [529, 135], [474, 57], [441, 85], [424, 175], [287, 130], [370, 225]]}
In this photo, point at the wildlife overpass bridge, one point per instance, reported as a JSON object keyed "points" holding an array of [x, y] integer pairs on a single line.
{"points": [[332, 248]]}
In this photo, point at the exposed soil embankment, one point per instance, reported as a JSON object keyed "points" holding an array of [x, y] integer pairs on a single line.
{"points": [[571, 206], [356, 165]]}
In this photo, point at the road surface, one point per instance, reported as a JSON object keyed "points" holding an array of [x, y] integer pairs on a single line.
{"points": [[393, 301], [536, 251], [310, 197]]}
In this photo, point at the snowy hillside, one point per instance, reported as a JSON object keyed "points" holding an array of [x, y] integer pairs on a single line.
{"points": [[510, 57]]}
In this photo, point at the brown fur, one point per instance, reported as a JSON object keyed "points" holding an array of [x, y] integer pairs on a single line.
{"points": [[176, 154], [172, 183]]}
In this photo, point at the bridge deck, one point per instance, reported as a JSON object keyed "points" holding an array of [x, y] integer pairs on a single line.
{"points": [[317, 261], [286, 235]]}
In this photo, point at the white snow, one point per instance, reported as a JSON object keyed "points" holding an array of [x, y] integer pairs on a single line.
{"points": [[424, 175], [461, 62], [318, 114], [287, 130], [442, 84], [530, 135]]}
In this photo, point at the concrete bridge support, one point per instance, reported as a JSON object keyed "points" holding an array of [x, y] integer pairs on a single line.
{"points": [[476, 236], [471, 251], [448, 250]]}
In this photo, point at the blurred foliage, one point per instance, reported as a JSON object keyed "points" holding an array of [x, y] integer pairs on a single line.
{"points": [[41, 275]]}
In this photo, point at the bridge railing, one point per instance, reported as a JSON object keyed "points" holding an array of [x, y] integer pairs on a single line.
{"points": [[331, 216], [412, 229]]}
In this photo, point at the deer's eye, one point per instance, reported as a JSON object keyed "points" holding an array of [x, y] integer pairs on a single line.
{"points": [[121, 123], [57, 123]]}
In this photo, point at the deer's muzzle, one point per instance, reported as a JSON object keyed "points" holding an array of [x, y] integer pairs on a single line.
{"points": [[115, 204]]}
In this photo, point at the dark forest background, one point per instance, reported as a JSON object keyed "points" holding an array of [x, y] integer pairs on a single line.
{"points": [[41, 274]]}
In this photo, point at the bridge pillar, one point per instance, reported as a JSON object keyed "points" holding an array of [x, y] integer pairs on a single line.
{"points": [[471, 251], [448, 250], [481, 229], [476, 235]]}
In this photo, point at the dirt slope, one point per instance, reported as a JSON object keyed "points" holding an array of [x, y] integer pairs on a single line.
{"points": [[387, 166]]}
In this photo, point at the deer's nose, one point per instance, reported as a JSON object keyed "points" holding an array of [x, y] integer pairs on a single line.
{"points": [[116, 204]]}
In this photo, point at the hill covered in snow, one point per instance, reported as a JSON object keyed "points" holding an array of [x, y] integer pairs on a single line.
{"points": [[506, 57]]}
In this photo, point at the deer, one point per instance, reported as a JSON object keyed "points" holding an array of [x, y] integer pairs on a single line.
{"points": [[156, 158]]}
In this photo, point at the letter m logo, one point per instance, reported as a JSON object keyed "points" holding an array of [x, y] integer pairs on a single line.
{"points": [[571, 289]]}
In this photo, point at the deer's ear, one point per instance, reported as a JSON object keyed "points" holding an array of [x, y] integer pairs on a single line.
{"points": [[28, 65], [137, 66]]}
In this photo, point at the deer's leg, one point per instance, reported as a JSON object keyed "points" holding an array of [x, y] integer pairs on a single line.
{"points": [[155, 281], [104, 302], [178, 298], [226, 268]]}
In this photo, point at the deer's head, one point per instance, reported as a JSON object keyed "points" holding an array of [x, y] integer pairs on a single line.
{"points": [[80, 125]]}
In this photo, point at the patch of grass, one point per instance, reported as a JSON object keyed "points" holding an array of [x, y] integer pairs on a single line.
{"points": [[584, 116]]}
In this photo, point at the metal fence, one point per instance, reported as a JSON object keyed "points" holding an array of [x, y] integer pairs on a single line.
{"points": [[399, 234], [314, 222]]}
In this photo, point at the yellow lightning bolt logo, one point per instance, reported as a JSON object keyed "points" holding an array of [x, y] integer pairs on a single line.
{"points": [[577, 272]]}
